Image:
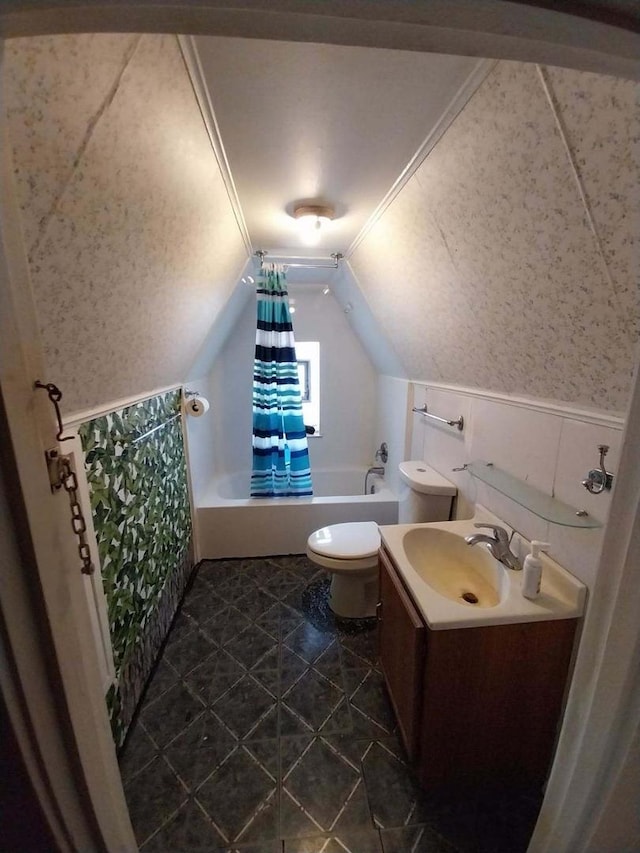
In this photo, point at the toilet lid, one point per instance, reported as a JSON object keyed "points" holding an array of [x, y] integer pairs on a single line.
{"points": [[351, 541]]}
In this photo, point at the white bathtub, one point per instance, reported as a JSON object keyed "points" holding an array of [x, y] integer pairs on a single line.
{"points": [[232, 524]]}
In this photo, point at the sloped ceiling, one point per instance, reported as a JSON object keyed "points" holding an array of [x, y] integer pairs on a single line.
{"points": [[506, 261], [132, 243], [510, 260], [321, 122]]}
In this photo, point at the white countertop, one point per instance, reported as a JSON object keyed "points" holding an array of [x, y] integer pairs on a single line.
{"points": [[562, 596]]}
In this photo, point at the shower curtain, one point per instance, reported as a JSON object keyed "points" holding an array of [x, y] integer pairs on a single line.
{"points": [[280, 451]]}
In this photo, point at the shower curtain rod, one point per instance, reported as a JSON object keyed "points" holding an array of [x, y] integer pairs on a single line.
{"points": [[336, 256]]}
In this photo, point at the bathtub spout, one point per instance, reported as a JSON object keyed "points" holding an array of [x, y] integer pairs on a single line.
{"points": [[376, 469]]}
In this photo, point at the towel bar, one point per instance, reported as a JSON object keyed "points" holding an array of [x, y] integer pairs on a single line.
{"points": [[458, 422]]}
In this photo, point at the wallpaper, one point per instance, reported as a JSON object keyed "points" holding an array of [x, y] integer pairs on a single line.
{"points": [[136, 469], [601, 120], [132, 242], [509, 261]]}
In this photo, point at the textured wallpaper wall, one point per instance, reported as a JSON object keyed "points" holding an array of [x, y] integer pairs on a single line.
{"points": [[132, 243], [510, 260]]}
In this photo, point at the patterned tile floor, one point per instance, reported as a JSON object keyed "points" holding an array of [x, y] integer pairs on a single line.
{"points": [[266, 727]]}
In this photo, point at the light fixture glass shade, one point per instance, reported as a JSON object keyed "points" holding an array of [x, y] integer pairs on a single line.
{"points": [[310, 228], [311, 219]]}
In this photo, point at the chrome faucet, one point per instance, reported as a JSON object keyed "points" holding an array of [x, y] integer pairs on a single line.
{"points": [[376, 469], [498, 545]]}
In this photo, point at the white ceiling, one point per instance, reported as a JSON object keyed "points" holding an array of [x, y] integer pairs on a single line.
{"points": [[305, 121]]}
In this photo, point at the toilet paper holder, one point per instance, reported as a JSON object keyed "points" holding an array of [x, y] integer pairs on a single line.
{"points": [[194, 404]]}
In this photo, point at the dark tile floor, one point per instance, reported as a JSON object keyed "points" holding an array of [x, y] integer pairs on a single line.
{"points": [[266, 727]]}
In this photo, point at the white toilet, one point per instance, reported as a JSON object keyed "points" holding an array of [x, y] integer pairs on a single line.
{"points": [[350, 551]]}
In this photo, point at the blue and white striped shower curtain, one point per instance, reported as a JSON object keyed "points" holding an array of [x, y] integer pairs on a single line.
{"points": [[280, 451]]}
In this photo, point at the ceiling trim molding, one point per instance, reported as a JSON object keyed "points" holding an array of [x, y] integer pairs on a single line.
{"points": [[462, 97], [196, 76]]}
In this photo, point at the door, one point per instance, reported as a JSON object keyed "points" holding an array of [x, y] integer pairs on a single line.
{"points": [[51, 681], [402, 643]]}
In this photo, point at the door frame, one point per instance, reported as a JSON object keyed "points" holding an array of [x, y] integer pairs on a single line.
{"points": [[598, 39], [58, 708], [51, 682]]}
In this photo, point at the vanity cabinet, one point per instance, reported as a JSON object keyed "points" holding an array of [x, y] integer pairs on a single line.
{"points": [[475, 706], [401, 645]]}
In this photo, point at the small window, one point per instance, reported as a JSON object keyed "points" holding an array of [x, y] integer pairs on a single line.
{"points": [[303, 379], [308, 356]]}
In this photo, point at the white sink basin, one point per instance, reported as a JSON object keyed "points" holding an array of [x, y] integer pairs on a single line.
{"points": [[463, 573], [439, 567]]}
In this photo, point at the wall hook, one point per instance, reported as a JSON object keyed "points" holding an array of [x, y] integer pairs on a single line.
{"points": [[599, 479], [55, 395]]}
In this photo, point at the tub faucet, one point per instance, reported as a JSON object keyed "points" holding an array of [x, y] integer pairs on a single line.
{"points": [[376, 469], [498, 545]]}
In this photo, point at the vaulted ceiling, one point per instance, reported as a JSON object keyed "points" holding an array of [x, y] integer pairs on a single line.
{"points": [[505, 257], [327, 123]]}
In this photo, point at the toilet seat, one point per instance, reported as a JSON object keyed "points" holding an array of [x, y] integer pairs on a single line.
{"points": [[348, 547]]}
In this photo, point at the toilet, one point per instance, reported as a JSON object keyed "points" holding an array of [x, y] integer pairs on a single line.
{"points": [[349, 551]]}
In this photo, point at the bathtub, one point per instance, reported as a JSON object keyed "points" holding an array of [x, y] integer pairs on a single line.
{"points": [[232, 524]]}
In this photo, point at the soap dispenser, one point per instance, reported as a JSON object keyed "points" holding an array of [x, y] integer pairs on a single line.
{"points": [[532, 570]]}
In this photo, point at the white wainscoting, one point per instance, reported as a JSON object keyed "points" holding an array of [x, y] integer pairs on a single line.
{"points": [[548, 445]]}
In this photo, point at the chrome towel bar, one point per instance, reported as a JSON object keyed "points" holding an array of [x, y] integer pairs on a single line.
{"points": [[459, 422], [154, 429]]}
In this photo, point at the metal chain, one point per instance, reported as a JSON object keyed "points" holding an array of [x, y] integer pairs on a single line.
{"points": [[78, 524]]}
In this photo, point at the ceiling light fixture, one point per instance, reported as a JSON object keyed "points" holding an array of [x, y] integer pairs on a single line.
{"points": [[312, 218]]}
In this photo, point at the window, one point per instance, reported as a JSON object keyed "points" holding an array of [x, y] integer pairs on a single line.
{"points": [[303, 380], [308, 356]]}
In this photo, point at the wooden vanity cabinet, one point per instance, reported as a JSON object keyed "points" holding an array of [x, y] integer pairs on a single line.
{"points": [[475, 706], [401, 649]]}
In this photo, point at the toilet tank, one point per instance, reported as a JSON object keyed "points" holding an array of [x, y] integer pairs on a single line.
{"points": [[425, 495]]}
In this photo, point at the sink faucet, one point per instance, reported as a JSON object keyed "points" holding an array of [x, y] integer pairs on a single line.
{"points": [[498, 545]]}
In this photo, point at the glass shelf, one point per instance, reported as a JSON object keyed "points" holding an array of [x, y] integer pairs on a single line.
{"points": [[530, 497]]}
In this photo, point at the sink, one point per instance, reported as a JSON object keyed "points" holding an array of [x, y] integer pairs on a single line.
{"points": [[438, 567], [467, 574]]}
